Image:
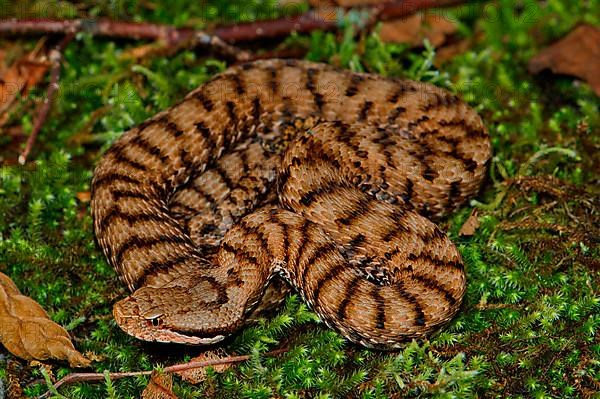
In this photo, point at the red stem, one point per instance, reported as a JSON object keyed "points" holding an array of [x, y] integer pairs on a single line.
{"points": [[56, 55]]}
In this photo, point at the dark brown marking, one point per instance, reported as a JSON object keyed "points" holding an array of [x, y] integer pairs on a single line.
{"points": [[232, 113], [116, 214], [111, 178], [170, 126], [357, 240], [206, 102], [187, 210], [397, 228], [135, 242], [206, 135], [434, 234], [364, 111], [256, 109], [119, 156], [255, 231], [303, 240], [439, 100], [273, 82], [470, 130], [435, 261], [417, 308], [432, 285], [168, 264], [353, 87], [223, 176], [357, 211], [316, 254], [394, 114], [379, 307], [333, 273], [408, 191], [362, 154], [218, 287], [185, 160], [239, 252], [330, 187], [348, 295], [453, 193], [153, 150], [237, 82], [402, 88], [418, 122], [310, 80], [118, 194], [204, 194], [273, 218]]}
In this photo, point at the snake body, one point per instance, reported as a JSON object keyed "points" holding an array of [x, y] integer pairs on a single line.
{"points": [[278, 167]]}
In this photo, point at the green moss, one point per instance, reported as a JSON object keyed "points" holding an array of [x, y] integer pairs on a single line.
{"points": [[529, 323]]}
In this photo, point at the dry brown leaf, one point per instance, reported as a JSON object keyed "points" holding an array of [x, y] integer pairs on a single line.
{"points": [[20, 77], [577, 54], [198, 375], [27, 332], [159, 387], [471, 225], [84, 196], [414, 29]]}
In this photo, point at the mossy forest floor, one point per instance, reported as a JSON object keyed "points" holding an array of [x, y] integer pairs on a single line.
{"points": [[530, 320]]}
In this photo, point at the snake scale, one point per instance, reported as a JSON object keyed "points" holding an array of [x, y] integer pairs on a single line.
{"points": [[290, 168]]}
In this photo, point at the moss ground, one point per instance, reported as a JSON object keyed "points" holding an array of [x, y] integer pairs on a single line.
{"points": [[529, 324]]}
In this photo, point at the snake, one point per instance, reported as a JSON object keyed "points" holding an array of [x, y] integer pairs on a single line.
{"points": [[327, 179]]}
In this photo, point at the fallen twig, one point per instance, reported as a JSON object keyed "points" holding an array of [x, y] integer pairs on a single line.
{"points": [[56, 55], [80, 377]]}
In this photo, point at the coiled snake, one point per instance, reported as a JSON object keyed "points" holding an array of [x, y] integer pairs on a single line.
{"points": [[280, 167]]}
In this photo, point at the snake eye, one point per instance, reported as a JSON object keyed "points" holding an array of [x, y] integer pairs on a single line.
{"points": [[154, 320]]}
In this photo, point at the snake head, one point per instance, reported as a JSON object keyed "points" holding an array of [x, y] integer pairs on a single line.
{"points": [[178, 314]]}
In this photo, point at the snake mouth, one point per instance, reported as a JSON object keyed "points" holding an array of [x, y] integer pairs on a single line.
{"points": [[127, 316]]}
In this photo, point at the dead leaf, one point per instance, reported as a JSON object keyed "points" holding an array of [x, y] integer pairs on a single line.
{"points": [[159, 387], [84, 196], [577, 54], [27, 331], [20, 77], [414, 29], [198, 375], [471, 225]]}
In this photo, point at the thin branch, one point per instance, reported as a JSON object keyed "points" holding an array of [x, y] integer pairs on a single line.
{"points": [[400, 9], [56, 56], [244, 32], [92, 377]]}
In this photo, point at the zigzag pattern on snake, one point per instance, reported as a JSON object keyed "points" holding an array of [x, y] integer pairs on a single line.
{"points": [[280, 167]]}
